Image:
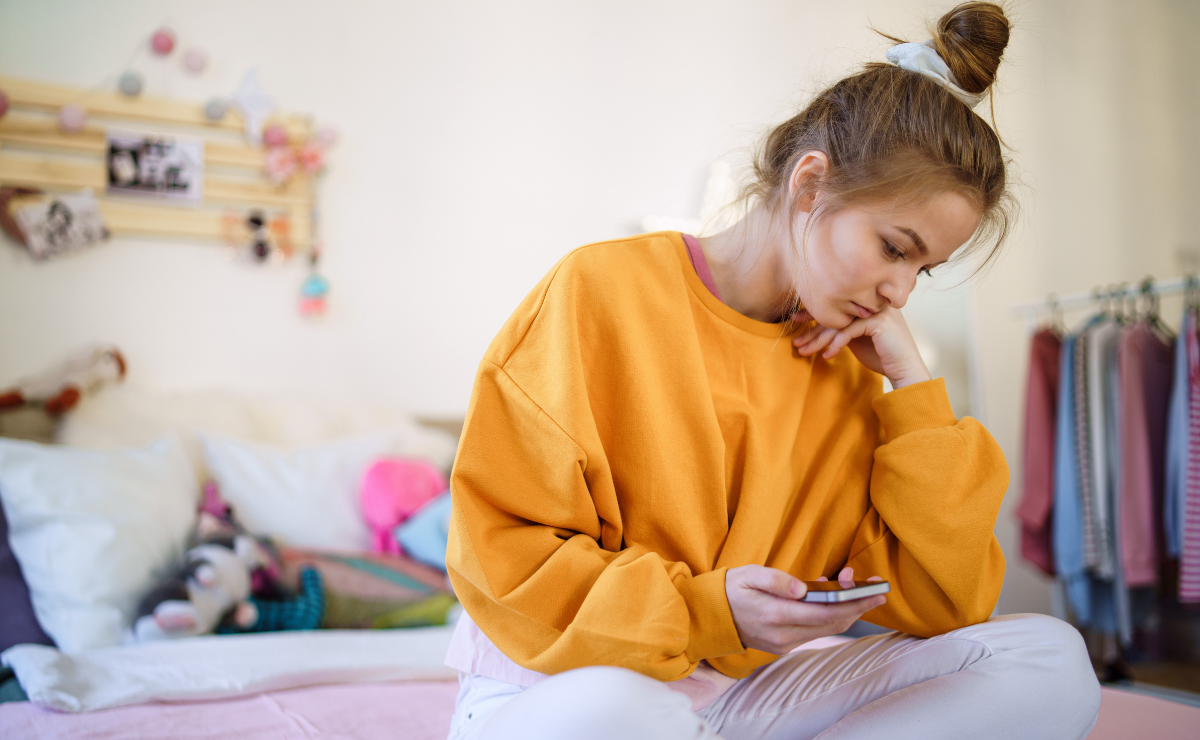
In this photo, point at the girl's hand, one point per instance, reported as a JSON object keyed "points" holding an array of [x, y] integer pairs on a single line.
{"points": [[881, 342], [770, 617]]}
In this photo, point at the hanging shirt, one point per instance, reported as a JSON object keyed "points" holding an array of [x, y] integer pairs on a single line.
{"points": [[1177, 439], [1067, 516], [1083, 452], [1144, 367], [1101, 359], [1041, 406], [1116, 585], [1189, 547]]}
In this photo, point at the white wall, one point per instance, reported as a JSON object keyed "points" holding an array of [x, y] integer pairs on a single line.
{"points": [[481, 141]]}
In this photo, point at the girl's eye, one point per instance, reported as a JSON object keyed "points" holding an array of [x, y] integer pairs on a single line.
{"points": [[892, 251], [926, 271]]}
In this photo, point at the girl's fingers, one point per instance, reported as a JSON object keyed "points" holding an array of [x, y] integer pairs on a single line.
{"points": [[822, 579], [807, 335], [855, 330], [815, 345], [874, 579]]}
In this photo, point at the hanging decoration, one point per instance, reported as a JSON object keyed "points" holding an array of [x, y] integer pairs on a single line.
{"points": [[311, 157], [260, 244], [258, 236], [72, 118], [284, 159], [280, 230], [215, 109], [195, 60], [130, 84], [163, 41], [254, 105], [315, 289], [279, 164], [275, 135]]}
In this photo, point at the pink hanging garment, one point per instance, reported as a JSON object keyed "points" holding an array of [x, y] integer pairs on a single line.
{"points": [[1041, 406], [1145, 362]]}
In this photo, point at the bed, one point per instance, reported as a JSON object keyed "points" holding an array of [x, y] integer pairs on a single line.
{"points": [[357, 684]]}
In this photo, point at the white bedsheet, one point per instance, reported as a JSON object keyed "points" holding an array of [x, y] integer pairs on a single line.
{"points": [[213, 667]]}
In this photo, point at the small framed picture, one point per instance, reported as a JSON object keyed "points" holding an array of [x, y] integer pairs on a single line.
{"points": [[61, 224], [161, 166]]}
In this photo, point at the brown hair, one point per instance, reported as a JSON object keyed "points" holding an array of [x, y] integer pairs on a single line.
{"points": [[890, 133]]}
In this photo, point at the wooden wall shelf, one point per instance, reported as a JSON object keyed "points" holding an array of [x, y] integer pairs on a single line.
{"points": [[34, 152]]}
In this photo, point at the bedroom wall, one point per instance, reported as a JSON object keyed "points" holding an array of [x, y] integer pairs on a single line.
{"points": [[481, 141]]}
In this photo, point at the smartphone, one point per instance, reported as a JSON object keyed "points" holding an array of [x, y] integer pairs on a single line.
{"points": [[829, 592]]}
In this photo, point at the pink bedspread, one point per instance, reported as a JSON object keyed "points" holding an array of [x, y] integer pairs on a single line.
{"points": [[397, 711], [418, 711]]}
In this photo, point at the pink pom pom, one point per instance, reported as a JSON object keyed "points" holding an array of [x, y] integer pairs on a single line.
{"points": [[163, 41], [275, 135], [195, 61], [72, 118], [392, 490]]}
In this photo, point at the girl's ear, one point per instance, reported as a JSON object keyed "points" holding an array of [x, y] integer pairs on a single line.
{"points": [[807, 176]]}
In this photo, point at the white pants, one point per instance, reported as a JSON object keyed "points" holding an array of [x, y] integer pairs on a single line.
{"points": [[1020, 676]]}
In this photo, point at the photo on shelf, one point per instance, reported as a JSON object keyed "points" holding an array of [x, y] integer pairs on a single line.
{"points": [[162, 166], [64, 223]]}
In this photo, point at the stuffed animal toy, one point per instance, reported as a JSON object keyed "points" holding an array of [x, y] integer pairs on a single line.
{"points": [[216, 521], [392, 490], [232, 583], [60, 388], [212, 587], [304, 611]]}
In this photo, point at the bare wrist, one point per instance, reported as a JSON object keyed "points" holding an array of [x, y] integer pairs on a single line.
{"points": [[905, 379]]}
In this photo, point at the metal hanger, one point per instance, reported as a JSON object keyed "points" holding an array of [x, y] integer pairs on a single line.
{"points": [[1152, 316], [1102, 302], [1056, 314]]}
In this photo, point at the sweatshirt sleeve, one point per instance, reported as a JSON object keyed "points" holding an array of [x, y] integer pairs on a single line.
{"points": [[935, 492], [526, 560]]}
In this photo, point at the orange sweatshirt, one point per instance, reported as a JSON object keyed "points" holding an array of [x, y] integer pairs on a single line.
{"points": [[630, 438]]}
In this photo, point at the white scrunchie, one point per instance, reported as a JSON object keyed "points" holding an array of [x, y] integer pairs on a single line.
{"points": [[923, 59]]}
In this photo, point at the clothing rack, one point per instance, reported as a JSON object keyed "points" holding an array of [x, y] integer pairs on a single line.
{"points": [[1030, 310], [1108, 470]]}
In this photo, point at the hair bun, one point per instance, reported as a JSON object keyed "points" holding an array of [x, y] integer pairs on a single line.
{"points": [[971, 39]]}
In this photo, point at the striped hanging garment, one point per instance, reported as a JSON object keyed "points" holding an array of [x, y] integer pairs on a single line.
{"points": [[1189, 556]]}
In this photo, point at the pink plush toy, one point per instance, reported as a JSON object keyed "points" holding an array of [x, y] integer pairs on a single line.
{"points": [[392, 491]]}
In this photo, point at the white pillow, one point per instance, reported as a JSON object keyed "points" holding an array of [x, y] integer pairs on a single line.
{"points": [[125, 416], [94, 531], [307, 497]]}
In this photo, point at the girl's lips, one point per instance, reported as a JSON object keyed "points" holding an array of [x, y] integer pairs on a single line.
{"points": [[863, 313]]}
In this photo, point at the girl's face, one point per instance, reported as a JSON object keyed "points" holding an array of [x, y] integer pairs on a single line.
{"points": [[863, 258]]}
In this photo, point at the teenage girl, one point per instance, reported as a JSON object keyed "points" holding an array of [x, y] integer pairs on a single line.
{"points": [[670, 434]]}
